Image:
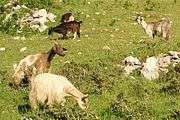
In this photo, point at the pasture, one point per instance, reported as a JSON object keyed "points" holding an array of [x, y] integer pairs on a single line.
{"points": [[93, 63]]}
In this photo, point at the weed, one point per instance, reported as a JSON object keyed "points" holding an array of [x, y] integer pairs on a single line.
{"points": [[151, 5], [86, 78], [127, 4], [170, 81]]}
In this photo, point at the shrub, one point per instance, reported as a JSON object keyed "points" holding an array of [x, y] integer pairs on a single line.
{"points": [[37, 3], [87, 78], [151, 5], [127, 4], [170, 81], [123, 108], [60, 113]]}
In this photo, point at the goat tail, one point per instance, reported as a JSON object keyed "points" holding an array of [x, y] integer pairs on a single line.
{"points": [[50, 31]]}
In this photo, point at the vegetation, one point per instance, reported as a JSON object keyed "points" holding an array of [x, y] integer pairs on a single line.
{"points": [[92, 68]]}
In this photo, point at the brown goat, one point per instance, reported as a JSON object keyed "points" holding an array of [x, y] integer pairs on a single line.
{"points": [[64, 28], [41, 62]]}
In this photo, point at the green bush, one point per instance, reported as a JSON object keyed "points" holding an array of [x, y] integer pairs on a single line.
{"points": [[60, 113], [151, 5], [88, 79], [127, 4], [37, 3], [125, 109], [170, 81]]}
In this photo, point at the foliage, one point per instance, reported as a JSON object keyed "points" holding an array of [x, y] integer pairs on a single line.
{"points": [[170, 81], [151, 5]]}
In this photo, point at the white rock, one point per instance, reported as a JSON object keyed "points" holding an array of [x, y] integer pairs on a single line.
{"points": [[164, 61], [23, 49], [111, 35], [150, 68], [2, 49], [130, 60], [79, 53], [51, 17], [129, 69], [16, 38], [87, 15], [175, 54], [97, 13], [86, 35], [42, 28], [106, 47]]}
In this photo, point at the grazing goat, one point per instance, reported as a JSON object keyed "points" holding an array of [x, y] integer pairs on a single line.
{"points": [[67, 17], [50, 88], [153, 28], [64, 28], [40, 61]]}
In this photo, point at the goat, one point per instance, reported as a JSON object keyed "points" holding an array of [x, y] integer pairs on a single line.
{"points": [[152, 28], [51, 88], [67, 17], [64, 28], [41, 61]]}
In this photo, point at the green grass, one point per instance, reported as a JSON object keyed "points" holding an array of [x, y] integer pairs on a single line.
{"points": [[96, 71]]}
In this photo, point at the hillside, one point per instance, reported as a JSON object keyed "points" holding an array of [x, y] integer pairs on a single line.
{"points": [[93, 62]]}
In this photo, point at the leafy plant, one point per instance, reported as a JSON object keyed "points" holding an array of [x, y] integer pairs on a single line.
{"points": [[170, 81], [151, 5]]}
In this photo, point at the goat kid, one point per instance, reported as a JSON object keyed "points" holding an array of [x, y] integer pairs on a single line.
{"points": [[64, 28], [153, 28], [41, 61], [51, 88]]}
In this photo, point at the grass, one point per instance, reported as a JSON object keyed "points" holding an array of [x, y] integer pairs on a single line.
{"points": [[96, 71]]}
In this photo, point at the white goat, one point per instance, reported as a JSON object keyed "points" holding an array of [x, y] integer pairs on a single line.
{"points": [[40, 61], [152, 28], [53, 88]]}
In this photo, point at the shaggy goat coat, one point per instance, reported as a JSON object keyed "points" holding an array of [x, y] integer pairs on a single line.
{"points": [[51, 88]]}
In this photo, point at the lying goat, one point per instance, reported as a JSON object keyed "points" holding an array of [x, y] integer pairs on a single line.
{"points": [[67, 17], [40, 61], [51, 88], [152, 28], [64, 28]]}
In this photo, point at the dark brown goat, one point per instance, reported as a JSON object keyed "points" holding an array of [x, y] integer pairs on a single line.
{"points": [[64, 28]]}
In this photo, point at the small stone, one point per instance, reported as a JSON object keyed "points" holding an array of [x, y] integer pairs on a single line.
{"points": [[23, 49]]}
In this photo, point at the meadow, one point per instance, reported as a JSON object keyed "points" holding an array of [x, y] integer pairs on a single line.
{"points": [[91, 67]]}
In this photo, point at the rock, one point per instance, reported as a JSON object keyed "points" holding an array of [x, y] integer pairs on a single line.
{"points": [[23, 49], [2, 49], [150, 68], [130, 60]]}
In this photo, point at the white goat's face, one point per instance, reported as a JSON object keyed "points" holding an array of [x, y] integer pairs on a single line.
{"points": [[139, 19]]}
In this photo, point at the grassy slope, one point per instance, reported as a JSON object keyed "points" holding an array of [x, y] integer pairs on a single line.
{"points": [[124, 42]]}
